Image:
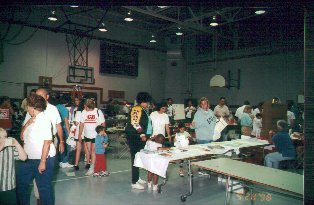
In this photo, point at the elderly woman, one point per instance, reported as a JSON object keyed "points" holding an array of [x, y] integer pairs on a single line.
{"points": [[41, 153], [137, 130], [284, 146]]}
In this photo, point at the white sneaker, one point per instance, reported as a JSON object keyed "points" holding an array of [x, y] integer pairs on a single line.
{"points": [[141, 181], [66, 165], [89, 172], [155, 187], [149, 185], [137, 186]]}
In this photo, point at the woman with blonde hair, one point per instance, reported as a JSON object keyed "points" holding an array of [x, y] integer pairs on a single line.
{"points": [[204, 122]]}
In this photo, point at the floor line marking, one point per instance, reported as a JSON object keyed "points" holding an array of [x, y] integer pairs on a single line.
{"points": [[60, 180]]}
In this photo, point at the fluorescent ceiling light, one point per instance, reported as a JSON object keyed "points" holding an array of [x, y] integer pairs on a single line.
{"points": [[153, 40], [162, 7], [259, 12], [74, 6], [179, 32], [53, 16], [214, 22], [128, 17], [103, 28]]}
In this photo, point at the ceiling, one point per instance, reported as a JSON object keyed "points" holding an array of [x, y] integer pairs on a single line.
{"points": [[238, 25]]}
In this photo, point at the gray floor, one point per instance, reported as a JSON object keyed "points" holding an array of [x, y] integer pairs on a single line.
{"points": [[116, 189]]}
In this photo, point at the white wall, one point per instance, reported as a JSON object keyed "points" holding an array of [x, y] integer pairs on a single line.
{"points": [[46, 54], [261, 79]]}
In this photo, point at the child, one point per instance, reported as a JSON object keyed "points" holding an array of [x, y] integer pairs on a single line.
{"points": [[181, 140], [257, 125], [154, 146], [101, 143]]}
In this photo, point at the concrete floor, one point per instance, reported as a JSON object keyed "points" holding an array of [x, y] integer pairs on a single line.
{"points": [[73, 187]]}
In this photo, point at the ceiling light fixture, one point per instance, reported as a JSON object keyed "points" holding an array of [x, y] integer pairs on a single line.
{"points": [[103, 28], [153, 40], [162, 7], [214, 22], [53, 16], [179, 32], [74, 6], [128, 17], [260, 11]]}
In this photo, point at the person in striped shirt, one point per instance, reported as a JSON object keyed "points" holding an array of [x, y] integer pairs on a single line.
{"points": [[10, 150]]}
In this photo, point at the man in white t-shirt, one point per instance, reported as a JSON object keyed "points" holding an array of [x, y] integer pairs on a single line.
{"points": [[221, 110], [160, 121]]}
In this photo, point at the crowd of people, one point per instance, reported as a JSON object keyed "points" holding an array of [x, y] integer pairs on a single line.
{"points": [[51, 130]]}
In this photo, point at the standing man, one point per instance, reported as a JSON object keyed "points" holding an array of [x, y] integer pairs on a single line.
{"points": [[221, 110]]}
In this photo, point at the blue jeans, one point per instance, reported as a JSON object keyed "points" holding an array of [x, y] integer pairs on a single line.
{"points": [[203, 141], [27, 171], [273, 159], [64, 156]]}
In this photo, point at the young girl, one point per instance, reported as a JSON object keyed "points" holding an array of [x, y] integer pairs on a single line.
{"points": [[181, 140], [257, 125], [91, 117], [101, 143], [154, 146]]}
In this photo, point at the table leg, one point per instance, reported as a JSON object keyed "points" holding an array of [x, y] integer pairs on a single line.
{"points": [[227, 189], [163, 183], [251, 195], [183, 197]]}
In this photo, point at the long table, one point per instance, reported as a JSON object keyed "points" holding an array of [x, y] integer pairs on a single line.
{"points": [[280, 180], [157, 162]]}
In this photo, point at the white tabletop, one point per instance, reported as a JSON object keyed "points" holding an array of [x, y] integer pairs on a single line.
{"points": [[257, 174], [158, 162]]}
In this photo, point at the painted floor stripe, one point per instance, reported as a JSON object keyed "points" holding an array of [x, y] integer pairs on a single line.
{"points": [[72, 178]]}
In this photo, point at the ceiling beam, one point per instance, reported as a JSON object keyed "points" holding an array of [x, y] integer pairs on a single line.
{"points": [[78, 33], [181, 23], [211, 13]]}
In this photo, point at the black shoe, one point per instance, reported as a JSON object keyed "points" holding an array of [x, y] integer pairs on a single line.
{"points": [[76, 167], [87, 166]]}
